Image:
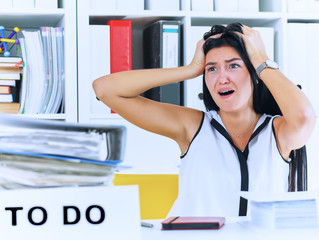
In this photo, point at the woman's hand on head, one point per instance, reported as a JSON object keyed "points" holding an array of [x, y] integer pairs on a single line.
{"points": [[254, 46], [198, 62]]}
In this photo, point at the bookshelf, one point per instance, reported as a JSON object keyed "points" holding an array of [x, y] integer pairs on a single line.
{"points": [[271, 13], [63, 16]]}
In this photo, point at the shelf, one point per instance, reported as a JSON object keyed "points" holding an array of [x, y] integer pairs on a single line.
{"points": [[138, 18], [145, 17], [45, 116], [303, 17], [236, 15], [31, 18], [141, 13], [249, 22]]}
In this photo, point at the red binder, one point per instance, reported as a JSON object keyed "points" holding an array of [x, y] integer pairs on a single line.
{"points": [[120, 45]]}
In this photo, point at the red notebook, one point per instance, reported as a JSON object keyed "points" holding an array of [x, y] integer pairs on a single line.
{"points": [[187, 223], [120, 45]]}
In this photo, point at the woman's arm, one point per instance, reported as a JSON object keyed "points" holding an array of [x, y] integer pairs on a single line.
{"points": [[295, 127], [120, 91]]}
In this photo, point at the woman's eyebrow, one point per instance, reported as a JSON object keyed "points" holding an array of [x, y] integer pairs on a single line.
{"points": [[228, 60], [210, 63], [233, 59]]}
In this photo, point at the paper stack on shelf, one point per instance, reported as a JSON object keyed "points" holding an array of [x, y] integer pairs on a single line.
{"points": [[43, 53], [42, 153], [283, 210]]}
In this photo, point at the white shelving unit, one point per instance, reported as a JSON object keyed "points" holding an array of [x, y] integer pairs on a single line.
{"points": [[64, 16], [272, 13]]}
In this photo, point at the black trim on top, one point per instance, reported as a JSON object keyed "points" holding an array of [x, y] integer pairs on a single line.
{"points": [[242, 157], [199, 128], [274, 132]]}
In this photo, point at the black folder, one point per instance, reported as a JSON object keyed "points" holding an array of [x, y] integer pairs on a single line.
{"points": [[162, 49]]}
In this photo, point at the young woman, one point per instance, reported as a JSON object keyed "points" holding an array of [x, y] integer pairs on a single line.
{"points": [[240, 143]]}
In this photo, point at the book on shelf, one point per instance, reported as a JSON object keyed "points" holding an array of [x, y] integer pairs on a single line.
{"points": [[7, 82], [12, 60], [99, 65], [37, 152], [6, 98], [161, 42], [120, 46], [10, 70], [9, 75], [12, 107], [286, 210], [5, 90]]}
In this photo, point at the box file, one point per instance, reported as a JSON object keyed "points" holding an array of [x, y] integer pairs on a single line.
{"points": [[161, 41]]}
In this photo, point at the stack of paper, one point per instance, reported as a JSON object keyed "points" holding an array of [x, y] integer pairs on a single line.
{"points": [[42, 153], [284, 210]]}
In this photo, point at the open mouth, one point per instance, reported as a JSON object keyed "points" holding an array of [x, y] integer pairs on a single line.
{"points": [[226, 92]]}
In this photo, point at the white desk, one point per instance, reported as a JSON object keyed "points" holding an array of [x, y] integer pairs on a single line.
{"points": [[233, 229]]}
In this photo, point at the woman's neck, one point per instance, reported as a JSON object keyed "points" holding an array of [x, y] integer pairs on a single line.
{"points": [[239, 125]]}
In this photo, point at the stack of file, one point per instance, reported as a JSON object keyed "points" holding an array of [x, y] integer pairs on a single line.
{"points": [[41, 153], [284, 210], [10, 75]]}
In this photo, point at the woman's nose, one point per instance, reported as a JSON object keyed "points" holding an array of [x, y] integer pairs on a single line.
{"points": [[223, 76]]}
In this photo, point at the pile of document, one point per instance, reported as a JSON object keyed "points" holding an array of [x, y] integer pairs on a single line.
{"points": [[42, 153], [284, 210]]}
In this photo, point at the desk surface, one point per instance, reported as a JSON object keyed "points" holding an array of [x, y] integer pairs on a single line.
{"points": [[233, 229]]}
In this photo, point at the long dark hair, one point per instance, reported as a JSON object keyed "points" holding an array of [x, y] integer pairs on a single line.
{"points": [[263, 101]]}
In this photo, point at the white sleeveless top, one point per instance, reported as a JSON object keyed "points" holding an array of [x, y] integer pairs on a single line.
{"points": [[210, 175]]}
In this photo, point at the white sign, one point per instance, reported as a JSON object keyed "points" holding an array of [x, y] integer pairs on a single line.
{"points": [[96, 213]]}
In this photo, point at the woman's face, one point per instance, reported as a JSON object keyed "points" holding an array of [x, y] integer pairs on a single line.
{"points": [[228, 79]]}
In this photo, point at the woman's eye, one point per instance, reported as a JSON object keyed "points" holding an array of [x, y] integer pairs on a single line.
{"points": [[211, 69], [233, 65]]}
